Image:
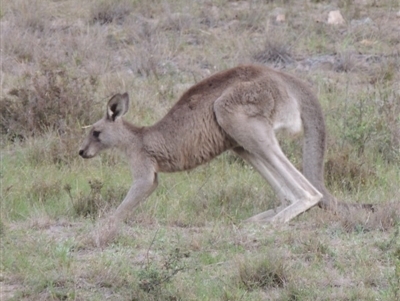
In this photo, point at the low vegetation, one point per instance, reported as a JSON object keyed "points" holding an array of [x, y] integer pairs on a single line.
{"points": [[60, 62]]}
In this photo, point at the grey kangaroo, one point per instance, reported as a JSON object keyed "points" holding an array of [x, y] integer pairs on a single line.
{"points": [[239, 109]]}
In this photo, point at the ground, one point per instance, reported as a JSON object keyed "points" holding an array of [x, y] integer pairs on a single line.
{"points": [[62, 60]]}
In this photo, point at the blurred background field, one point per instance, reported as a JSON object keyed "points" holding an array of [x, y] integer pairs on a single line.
{"points": [[61, 61]]}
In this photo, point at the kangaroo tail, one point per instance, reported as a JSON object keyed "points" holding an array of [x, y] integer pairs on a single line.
{"points": [[314, 147]]}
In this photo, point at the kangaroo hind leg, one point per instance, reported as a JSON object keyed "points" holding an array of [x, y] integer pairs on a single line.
{"points": [[261, 149], [259, 166]]}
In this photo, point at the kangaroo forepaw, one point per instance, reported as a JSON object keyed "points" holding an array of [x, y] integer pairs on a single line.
{"points": [[103, 234]]}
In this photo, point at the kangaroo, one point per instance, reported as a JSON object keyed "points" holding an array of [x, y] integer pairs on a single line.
{"points": [[239, 109]]}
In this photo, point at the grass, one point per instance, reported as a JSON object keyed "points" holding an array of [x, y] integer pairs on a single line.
{"points": [[60, 62]]}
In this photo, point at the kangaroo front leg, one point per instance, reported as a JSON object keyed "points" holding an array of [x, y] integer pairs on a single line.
{"points": [[139, 191], [142, 187]]}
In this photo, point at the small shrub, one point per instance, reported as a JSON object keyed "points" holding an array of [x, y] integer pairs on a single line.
{"points": [[51, 98], [153, 277], [346, 172], [393, 246], [371, 123], [388, 125], [396, 279], [383, 218], [42, 190]]}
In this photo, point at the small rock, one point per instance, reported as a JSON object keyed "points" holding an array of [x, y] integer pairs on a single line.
{"points": [[280, 18], [335, 18], [364, 21], [367, 42], [215, 12], [398, 14]]}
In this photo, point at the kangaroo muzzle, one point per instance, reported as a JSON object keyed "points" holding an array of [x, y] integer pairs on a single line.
{"points": [[84, 154]]}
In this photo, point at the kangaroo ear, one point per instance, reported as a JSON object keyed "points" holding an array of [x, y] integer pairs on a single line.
{"points": [[117, 106]]}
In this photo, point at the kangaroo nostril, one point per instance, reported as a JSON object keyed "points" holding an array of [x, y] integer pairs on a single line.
{"points": [[81, 153]]}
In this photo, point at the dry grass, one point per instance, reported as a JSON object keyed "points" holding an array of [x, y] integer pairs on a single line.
{"points": [[61, 60]]}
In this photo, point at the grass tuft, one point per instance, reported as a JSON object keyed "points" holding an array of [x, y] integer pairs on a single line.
{"points": [[275, 52], [2, 229], [105, 12], [262, 272], [88, 205]]}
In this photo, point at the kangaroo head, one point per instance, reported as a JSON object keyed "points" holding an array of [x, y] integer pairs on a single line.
{"points": [[108, 131]]}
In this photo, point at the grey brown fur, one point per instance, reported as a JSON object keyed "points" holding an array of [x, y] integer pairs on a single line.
{"points": [[239, 109]]}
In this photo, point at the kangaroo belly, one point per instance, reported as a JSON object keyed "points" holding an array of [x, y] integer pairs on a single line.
{"points": [[189, 140], [288, 116], [203, 146]]}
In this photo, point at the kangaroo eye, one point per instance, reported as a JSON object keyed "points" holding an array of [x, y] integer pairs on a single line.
{"points": [[96, 134]]}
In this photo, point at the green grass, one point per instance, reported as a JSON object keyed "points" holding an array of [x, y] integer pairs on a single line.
{"points": [[198, 213], [60, 63]]}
